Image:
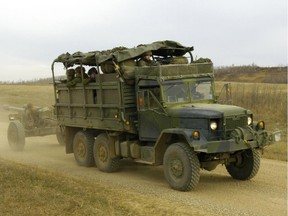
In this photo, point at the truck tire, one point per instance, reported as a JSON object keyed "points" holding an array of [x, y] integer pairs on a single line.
{"points": [[181, 167], [83, 148], [60, 135], [16, 136], [102, 155], [246, 166]]}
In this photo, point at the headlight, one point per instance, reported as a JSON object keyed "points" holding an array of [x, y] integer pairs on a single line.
{"points": [[260, 125], [213, 125], [250, 120]]}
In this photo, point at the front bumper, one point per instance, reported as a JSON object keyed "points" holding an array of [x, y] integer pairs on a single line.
{"points": [[243, 138]]}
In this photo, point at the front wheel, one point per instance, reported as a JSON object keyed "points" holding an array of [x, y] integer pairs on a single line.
{"points": [[102, 155], [83, 148], [181, 167], [16, 136], [246, 165]]}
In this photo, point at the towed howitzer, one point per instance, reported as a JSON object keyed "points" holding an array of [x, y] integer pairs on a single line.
{"points": [[31, 121]]}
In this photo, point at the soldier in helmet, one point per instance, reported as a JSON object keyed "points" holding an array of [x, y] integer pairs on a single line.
{"points": [[70, 73], [92, 72], [78, 77], [147, 60], [31, 116]]}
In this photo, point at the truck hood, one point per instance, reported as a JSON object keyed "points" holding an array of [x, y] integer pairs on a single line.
{"points": [[200, 110]]}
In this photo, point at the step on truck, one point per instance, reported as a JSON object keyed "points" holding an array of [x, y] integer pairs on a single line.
{"points": [[160, 112]]}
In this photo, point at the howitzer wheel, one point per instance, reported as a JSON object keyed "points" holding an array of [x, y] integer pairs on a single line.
{"points": [[246, 166], [83, 148], [16, 136], [102, 156], [181, 167]]}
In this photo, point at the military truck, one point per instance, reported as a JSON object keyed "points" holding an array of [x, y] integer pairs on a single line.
{"points": [[165, 113], [31, 121]]}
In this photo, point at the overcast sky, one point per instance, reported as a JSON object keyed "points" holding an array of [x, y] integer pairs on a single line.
{"points": [[35, 32]]}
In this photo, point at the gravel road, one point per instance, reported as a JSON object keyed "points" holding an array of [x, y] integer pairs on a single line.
{"points": [[216, 194]]}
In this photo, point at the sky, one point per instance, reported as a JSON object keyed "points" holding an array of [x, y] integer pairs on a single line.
{"points": [[229, 32]]}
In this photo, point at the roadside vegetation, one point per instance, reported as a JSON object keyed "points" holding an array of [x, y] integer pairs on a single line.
{"points": [[252, 73], [27, 190]]}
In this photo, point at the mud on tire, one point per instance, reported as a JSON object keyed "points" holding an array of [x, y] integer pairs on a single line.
{"points": [[102, 157], [181, 167], [83, 148]]}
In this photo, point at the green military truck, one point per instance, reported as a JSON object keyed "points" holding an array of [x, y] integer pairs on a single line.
{"points": [[165, 113]]}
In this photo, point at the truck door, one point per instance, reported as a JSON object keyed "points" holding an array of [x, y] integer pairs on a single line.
{"points": [[151, 116]]}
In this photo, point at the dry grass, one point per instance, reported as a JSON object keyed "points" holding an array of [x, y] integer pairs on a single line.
{"points": [[27, 190], [18, 95], [252, 73]]}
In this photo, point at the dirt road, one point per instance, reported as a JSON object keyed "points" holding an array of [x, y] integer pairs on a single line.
{"points": [[216, 194]]}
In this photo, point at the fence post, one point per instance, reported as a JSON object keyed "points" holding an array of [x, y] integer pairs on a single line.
{"points": [[228, 89]]}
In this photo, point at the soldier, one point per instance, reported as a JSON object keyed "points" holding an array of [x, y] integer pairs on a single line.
{"points": [[92, 76], [70, 73], [31, 116], [147, 60], [78, 78]]}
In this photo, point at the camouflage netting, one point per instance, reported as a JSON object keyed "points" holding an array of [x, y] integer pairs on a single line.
{"points": [[123, 60], [119, 54]]}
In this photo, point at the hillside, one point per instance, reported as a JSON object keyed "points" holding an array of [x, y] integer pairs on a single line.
{"points": [[251, 74]]}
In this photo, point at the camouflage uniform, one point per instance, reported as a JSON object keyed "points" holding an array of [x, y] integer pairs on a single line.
{"points": [[78, 77], [91, 73], [70, 73], [31, 116], [146, 60]]}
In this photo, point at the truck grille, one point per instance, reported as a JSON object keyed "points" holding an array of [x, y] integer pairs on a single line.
{"points": [[233, 122]]}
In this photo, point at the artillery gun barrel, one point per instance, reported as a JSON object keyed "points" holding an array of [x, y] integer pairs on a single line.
{"points": [[13, 108]]}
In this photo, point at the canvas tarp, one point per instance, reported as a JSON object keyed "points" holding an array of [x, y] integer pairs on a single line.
{"points": [[159, 48]]}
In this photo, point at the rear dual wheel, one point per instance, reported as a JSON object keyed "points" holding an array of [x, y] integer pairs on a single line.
{"points": [[102, 155], [83, 148]]}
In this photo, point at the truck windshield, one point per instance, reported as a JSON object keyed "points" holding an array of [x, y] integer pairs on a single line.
{"points": [[175, 92]]}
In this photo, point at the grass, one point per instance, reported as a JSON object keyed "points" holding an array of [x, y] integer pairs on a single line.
{"points": [[27, 190], [18, 95], [252, 73], [45, 193]]}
